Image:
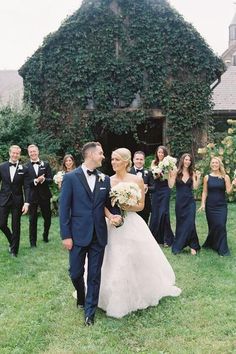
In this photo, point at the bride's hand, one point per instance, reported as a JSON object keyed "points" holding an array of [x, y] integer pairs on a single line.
{"points": [[116, 220]]}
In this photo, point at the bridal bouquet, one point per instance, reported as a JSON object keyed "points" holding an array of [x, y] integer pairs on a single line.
{"points": [[125, 193], [164, 167], [58, 177]]}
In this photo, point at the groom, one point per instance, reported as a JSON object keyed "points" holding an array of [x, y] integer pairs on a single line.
{"points": [[84, 195]]}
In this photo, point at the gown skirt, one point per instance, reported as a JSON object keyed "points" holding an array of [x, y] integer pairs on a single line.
{"points": [[185, 210], [216, 214], [160, 216], [135, 272]]}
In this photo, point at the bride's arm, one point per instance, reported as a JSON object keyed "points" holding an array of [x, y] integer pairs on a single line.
{"points": [[140, 205]]}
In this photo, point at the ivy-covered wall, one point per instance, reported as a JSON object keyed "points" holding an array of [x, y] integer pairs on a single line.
{"points": [[107, 52]]}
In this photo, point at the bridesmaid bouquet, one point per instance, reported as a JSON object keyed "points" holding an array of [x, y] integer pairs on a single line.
{"points": [[164, 167], [58, 177], [125, 193]]}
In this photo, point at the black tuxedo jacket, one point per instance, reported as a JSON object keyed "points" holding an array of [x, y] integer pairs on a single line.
{"points": [[11, 193], [41, 191], [149, 181]]}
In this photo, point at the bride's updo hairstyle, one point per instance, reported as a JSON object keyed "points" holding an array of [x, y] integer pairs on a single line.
{"points": [[125, 155]]}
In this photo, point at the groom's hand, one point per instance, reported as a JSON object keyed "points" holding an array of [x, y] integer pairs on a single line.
{"points": [[68, 243]]}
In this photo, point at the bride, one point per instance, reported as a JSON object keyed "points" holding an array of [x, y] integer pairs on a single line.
{"points": [[135, 271]]}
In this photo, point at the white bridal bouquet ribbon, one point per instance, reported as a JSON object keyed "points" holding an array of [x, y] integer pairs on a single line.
{"points": [[164, 167], [125, 193]]}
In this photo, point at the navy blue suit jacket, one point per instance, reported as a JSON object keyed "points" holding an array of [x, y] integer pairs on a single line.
{"points": [[82, 211]]}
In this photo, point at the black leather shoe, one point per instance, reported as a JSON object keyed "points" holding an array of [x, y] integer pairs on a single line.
{"points": [[79, 304], [13, 254], [89, 321]]}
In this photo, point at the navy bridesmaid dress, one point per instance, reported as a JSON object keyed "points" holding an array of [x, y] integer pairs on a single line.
{"points": [[160, 216], [216, 214], [185, 210]]}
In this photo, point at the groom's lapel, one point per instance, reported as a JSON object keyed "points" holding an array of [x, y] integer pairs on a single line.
{"points": [[96, 189], [83, 180]]}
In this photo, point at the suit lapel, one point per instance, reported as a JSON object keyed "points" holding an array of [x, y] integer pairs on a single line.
{"points": [[83, 180], [96, 189], [8, 172]]}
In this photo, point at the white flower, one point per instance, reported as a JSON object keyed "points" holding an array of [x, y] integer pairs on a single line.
{"points": [[125, 193], [20, 167], [41, 164], [101, 177], [145, 173], [164, 167], [58, 177]]}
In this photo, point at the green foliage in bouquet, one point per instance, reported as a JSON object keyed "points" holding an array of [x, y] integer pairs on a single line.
{"points": [[226, 149]]}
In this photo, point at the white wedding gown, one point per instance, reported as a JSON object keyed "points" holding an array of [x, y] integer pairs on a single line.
{"points": [[135, 271]]}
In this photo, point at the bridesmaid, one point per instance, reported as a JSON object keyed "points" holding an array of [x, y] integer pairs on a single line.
{"points": [[160, 216], [68, 165], [185, 208], [214, 201]]}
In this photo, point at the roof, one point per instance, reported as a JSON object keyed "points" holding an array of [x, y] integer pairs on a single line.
{"points": [[11, 88], [224, 95]]}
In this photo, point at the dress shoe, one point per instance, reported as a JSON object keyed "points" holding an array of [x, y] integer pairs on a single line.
{"points": [[14, 255], [45, 238], [33, 246], [79, 304], [89, 321]]}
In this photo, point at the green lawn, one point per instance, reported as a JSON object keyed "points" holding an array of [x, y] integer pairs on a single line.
{"points": [[38, 313]]}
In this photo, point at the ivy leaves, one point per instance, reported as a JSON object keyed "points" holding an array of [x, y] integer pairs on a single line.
{"points": [[107, 52]]}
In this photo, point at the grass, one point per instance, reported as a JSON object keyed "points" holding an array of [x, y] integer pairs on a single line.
{"points": [[38, 314]]}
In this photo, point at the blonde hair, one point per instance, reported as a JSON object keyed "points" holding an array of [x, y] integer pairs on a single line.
{"points": [[221, 165], [14, 147], [125, 155]]}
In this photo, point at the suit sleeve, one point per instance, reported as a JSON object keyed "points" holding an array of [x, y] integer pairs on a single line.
{"points": [[65, 208], [114, 210], [150, 182], [26, 185], [48, 174]]}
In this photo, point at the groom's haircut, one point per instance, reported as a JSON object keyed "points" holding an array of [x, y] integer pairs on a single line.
{"points": [[89, 146], [139, 153]]}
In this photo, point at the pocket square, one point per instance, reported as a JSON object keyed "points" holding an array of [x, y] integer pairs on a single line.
{"points": [[102, 188]]}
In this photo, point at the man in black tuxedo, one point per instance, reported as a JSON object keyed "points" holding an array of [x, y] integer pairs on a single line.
{"points": [[14, 179], [40, 177], [138, 169]]}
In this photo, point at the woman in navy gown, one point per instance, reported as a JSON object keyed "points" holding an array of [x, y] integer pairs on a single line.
{"points": [[185, 208], [160, 216], [214, 202]]}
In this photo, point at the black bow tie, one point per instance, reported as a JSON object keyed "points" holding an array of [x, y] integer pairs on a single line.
{"points": [[139, 170], [35, 162], [13, 164], [93, 172]]}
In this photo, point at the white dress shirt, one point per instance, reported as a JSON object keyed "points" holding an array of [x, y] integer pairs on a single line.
{"points": [[13, 170], [90, 179]]}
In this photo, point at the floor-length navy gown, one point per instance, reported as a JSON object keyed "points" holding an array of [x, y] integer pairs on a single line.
{"points": [[160, 216], [185, 210], [216, 214]]}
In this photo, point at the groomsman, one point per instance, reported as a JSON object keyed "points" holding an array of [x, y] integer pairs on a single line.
{"points": [[14, 180], [40, 177], [138, 169]]}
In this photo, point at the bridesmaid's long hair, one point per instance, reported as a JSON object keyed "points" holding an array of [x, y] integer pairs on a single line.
{"points": [[156, 161], [64, 162], [221, 166], [181, 166]]}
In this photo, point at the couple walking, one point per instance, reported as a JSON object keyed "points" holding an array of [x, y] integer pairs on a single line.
{"points": [[132, 273]]}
